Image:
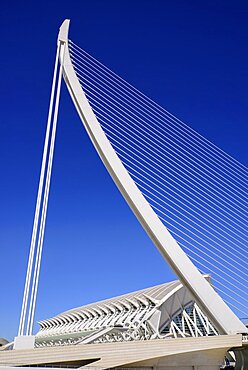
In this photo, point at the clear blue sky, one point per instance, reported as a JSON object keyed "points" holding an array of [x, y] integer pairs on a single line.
{"points": [[189, 56]]}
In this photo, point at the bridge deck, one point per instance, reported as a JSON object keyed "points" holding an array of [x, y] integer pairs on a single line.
{"points": [[135, 353]]}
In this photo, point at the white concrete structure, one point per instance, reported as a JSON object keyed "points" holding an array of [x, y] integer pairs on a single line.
{"points": [[148, 328], [161, 312], [214, 307], [160, 327], [203, 353]]}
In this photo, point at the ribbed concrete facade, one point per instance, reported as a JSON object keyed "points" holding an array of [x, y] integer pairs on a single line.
{"points": [[159, 327], [160, 312]]}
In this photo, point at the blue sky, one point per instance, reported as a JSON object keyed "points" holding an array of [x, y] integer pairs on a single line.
{"points": [[191, 57]]}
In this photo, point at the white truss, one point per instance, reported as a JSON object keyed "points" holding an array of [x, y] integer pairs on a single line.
{"points": [[163, 311]]}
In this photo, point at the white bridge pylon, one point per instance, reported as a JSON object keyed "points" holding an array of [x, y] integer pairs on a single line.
{"points": [[36, 245], [222, 317], [213, 305]]}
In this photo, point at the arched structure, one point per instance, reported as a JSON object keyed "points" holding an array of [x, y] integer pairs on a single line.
{"points": [[222, 317], [160, 312]]}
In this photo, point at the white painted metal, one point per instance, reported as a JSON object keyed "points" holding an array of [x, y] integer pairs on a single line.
{"points": [[38, 205], [211, 303], [173, 315], [29, 299], [44, 211]]}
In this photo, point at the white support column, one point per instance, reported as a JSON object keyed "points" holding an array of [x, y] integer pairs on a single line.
{"points": [[33, 269]]}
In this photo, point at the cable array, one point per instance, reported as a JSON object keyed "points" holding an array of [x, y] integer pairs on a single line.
{"points": [[197, 190]]}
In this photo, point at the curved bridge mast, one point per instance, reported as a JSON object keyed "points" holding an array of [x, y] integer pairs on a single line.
{"points": [[216, 309]]}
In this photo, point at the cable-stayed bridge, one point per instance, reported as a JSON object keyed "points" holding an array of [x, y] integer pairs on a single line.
{"points": [[198, 191], [190, 197]]}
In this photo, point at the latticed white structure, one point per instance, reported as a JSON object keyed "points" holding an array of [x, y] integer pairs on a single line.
{"points": [[161, 312]]}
